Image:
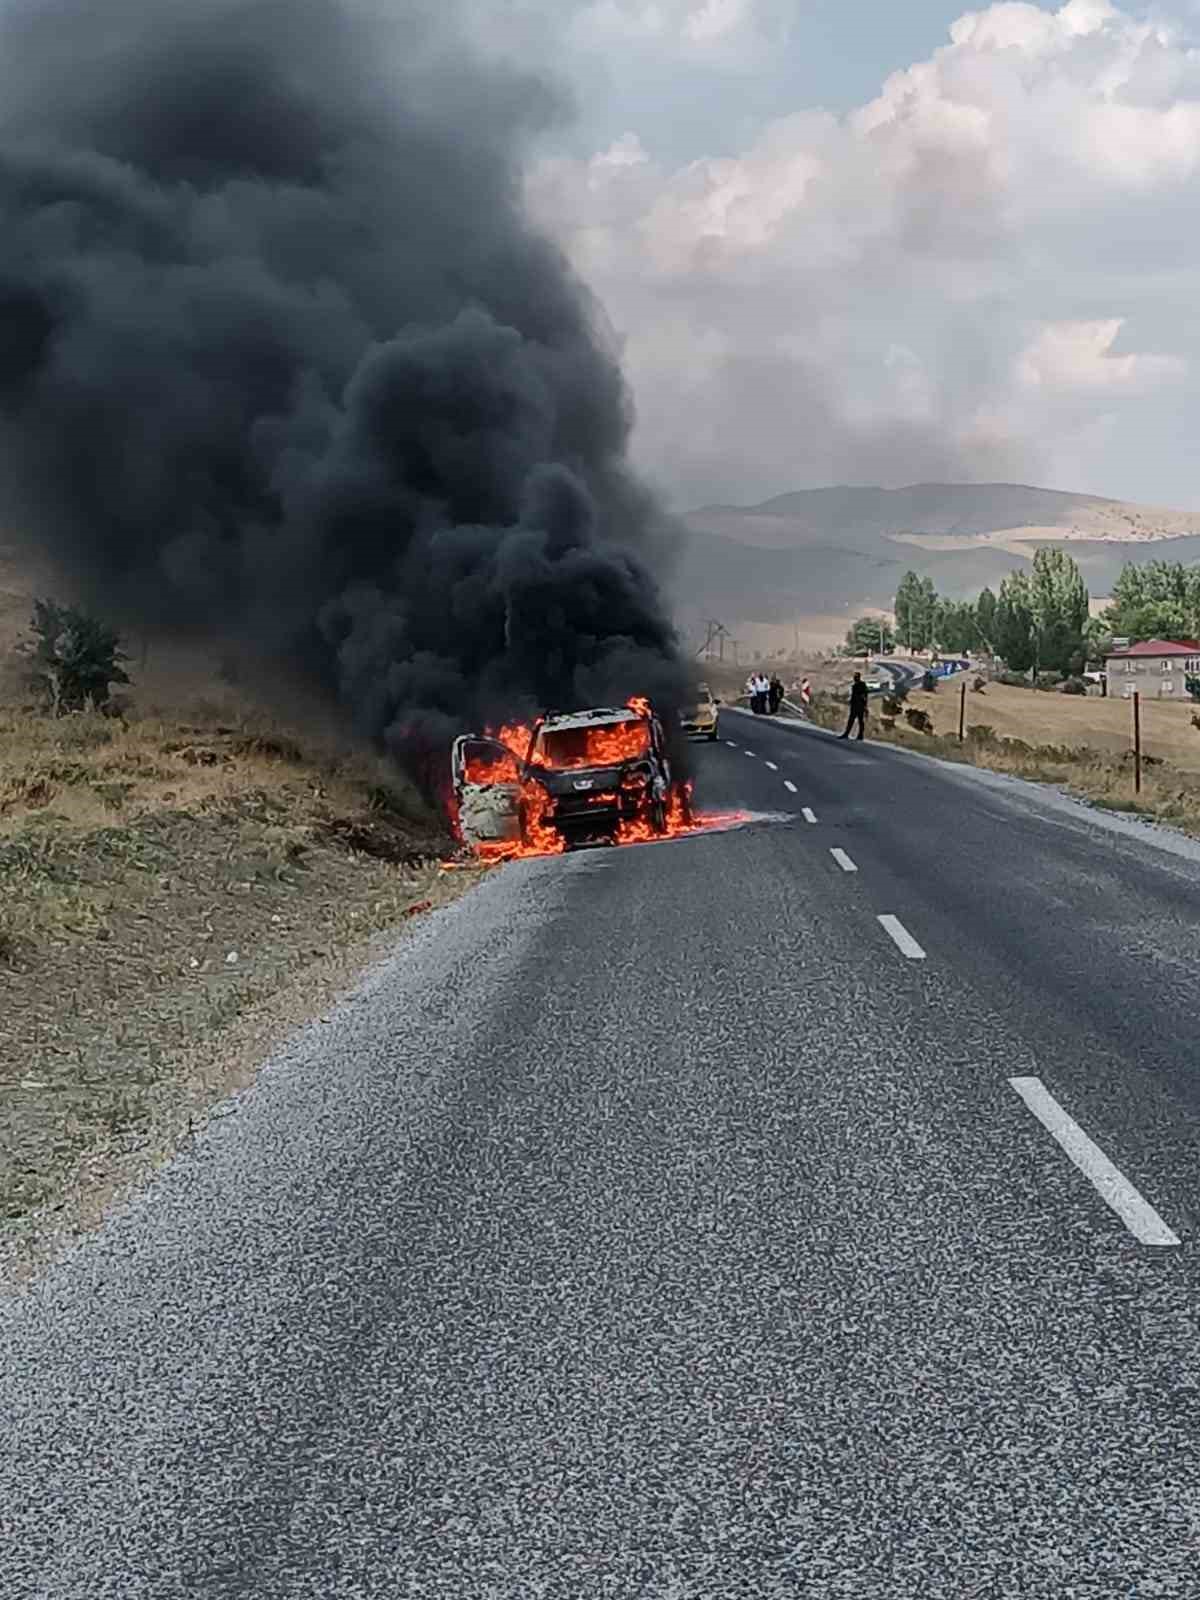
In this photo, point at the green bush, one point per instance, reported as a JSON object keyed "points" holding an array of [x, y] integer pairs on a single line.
{"points": [[981, 733], [1075, 686], [75, 658], [1048, 680], [1014, 680]]}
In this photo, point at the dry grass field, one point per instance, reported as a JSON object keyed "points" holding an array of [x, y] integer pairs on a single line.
{"points": [[175, 883], [1049, 718]]}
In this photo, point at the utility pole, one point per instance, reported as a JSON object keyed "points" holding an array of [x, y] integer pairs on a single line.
{"points": [[716, 632]]}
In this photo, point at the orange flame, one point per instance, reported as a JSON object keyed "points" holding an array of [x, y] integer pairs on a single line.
{"points": [[492, 768], [566, 749], [574, 748], [541, 838]]}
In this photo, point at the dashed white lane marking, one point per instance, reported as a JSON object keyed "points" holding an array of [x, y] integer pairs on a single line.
{"points": [[749, 753], [904, 940], [772, 766], [731, 744], [1138, 1215], [806, 812], [843, 860], [790, 786]]}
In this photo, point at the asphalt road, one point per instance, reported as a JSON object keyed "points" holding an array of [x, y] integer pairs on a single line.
{"points": [[662, 1223]]}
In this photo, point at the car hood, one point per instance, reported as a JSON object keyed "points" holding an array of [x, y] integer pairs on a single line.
{"points": [[577, 780]]}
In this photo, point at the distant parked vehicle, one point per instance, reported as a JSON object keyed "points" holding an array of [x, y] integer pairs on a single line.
{"points": [[702, 717]]}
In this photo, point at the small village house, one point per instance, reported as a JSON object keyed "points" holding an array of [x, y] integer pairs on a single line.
{"points": [[1155, 668]]}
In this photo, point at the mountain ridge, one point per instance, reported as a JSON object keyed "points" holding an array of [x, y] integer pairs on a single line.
{"points": [[833, 552]]}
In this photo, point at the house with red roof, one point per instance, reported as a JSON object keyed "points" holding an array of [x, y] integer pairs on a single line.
{"points": [[1154, 667]]}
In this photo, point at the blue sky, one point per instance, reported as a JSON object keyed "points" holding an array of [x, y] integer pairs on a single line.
{"points": [[838, 54], [832, 53]]}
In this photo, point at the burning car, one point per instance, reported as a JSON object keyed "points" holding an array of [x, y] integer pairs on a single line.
{"points": [[599, 776]]}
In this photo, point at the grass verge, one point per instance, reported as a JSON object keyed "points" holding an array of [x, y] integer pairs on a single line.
{"points": [[163, 883]]}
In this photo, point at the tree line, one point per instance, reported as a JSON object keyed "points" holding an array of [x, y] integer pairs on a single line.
{"points": [[1039, 619]]}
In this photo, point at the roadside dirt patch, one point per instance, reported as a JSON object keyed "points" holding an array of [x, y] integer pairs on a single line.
{"points": [[154, 910]]}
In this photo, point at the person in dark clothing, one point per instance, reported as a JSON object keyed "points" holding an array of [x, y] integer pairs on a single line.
{"points": [[775, 695], [858, 707]]}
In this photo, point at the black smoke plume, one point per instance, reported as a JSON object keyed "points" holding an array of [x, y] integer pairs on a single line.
{"points": [[282, 361]]}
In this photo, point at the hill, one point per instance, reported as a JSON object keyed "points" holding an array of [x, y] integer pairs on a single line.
{"points": [[811, 558]]}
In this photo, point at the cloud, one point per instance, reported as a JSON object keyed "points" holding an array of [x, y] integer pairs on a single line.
{"points": [[682, 26], [973, 274], [1078, 357]]}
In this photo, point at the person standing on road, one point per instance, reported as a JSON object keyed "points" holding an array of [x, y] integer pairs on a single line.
{"points": [[752, 691], [775, 694], [858, 707]]}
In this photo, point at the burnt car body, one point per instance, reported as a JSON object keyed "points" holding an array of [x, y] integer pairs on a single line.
{"points": [[583, 775], [487, 790]]}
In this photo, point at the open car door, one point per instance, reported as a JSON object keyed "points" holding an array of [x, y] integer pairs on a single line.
{"points": [[487, 790]]}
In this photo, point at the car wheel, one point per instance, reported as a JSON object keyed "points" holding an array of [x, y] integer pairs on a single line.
{"points": [[712, 736]]}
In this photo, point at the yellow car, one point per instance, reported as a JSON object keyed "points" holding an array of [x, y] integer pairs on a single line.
{"points": [[701, 718]]}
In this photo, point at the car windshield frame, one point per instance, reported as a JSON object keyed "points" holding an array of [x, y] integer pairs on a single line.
{"points": [[576, 739]]}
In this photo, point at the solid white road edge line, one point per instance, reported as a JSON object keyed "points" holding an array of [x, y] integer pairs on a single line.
{"points": [[772, 766], [790, 786], [843, 860], [903, 939], [1138, 1215], [806, 812]]}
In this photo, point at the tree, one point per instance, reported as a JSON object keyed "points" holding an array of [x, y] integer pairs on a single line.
{"points": [[1059, 608], [1156, 600], [1156, 619], [916, 611], [985, 620], [1013, 623], [1097, 640], [908, 597], [75, 658], [869, 634], [956, 628]]}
